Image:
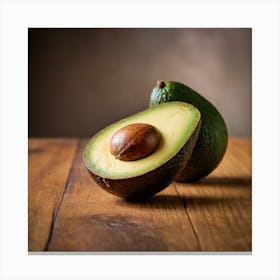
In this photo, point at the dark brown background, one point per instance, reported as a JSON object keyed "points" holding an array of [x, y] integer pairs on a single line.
{"points": [[81, 80]]}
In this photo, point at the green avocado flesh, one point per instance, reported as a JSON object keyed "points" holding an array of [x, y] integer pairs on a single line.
{"points": [[176, 122], [211, 144]]}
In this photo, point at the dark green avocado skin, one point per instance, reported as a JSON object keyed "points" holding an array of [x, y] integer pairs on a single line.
{"points": [[141, 187], [213, 136]]}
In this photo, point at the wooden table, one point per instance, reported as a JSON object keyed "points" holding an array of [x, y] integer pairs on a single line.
{"points": [[68, 212]]}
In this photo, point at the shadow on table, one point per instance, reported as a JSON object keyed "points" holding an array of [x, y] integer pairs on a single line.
{"points": [[176, 201], [226, 181], [232, 190]]}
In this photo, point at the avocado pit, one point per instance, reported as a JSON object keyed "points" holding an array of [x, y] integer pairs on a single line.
{"points": [[134, 142]]}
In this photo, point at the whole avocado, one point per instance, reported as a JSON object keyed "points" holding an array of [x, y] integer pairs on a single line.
{"points": [[213, 136]]}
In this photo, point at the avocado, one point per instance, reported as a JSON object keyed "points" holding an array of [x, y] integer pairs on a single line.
{"points": [[213, 136], [169, 132]]}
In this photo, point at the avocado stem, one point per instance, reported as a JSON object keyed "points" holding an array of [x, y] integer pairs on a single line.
{"points": [[160, 84]]}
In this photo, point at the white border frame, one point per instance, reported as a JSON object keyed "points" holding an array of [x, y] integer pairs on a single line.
{"points": [[17, 16]]}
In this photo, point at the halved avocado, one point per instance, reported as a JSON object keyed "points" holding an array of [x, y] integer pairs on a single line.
{"points": [[178, 124]]}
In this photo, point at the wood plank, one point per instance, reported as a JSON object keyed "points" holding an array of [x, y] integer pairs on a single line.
{"points": [[49, 163], [219, 206], [89, 219]]}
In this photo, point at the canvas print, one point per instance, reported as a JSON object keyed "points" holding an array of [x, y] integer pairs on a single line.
{"points": [[139, 140]]}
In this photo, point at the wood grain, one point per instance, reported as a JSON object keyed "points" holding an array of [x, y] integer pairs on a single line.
{"points": [[219, 206], [213, 214], [90, 219], [49, 163]]}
